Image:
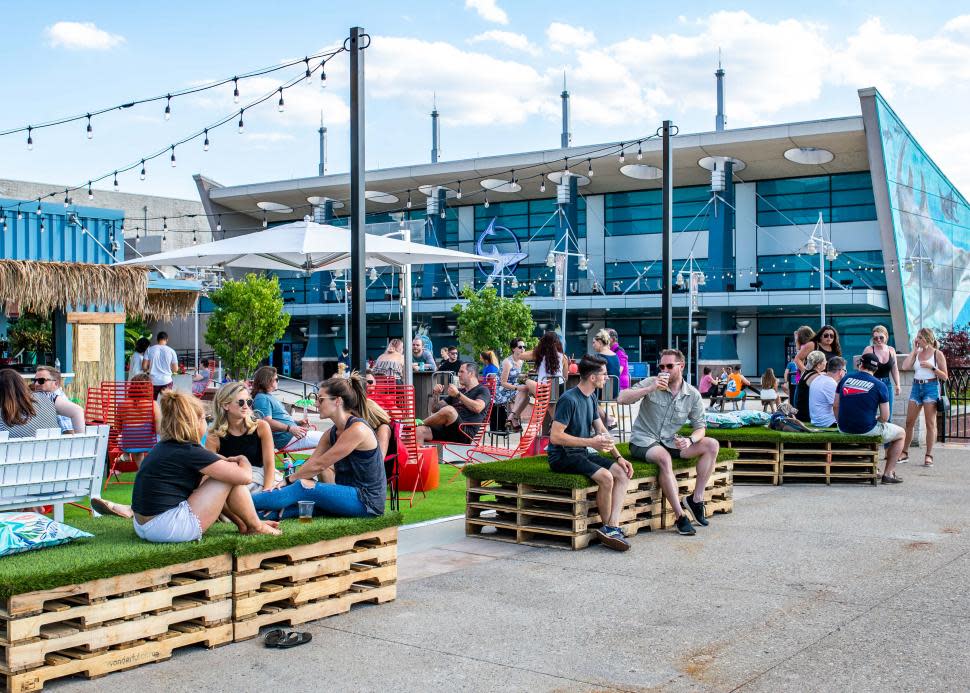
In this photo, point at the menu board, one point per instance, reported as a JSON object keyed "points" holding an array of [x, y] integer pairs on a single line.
{"points": [[88, 347]]}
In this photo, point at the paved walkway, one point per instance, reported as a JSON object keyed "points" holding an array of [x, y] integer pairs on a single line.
{"points": [[802, 588]]}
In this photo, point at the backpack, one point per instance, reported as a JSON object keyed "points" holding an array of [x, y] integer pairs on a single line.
{"points": [[781, 421]]}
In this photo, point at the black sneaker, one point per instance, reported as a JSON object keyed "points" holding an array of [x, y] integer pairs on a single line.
{"points": [[612, 538], [891, 479], [696, 510], [685, 527]]}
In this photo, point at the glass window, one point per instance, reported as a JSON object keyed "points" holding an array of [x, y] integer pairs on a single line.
{"points": [[840, 198], [640, 212]]}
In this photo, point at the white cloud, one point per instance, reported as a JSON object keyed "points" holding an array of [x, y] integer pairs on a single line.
{"points": [[959, 24], [519, 42], [81, 36], [488, 10], [565, 37]]}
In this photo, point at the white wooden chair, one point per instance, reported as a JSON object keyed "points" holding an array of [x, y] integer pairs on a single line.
{"points": [[52, 469]]}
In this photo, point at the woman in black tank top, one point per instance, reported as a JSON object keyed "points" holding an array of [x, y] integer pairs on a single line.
{"points": [[825, 340], [236, 431]]}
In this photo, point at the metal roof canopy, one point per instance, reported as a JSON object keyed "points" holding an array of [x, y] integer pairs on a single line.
{"points": [[761, 148]]}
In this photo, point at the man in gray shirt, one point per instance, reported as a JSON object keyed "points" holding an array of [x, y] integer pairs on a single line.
{"points": [[421, 358], [667, 402]]}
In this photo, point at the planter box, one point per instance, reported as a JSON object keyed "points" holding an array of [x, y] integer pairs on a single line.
{"points": [[112, 624], [313, 581]]}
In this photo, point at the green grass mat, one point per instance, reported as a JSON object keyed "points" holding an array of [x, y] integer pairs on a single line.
{"points": [[535, 470], [297, 534], [763, 434]]}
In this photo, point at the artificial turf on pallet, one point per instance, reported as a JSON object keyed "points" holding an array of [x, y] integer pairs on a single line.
{"points": [[116, 550], [535, 470], [751, 434]]}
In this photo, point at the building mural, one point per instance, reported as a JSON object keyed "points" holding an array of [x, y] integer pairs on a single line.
{"points": [[931, 224]]}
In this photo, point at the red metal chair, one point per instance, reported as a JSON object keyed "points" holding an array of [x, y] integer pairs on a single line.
{"points": [[475, 431], [128, 408], [398, 402], [488, 453]]}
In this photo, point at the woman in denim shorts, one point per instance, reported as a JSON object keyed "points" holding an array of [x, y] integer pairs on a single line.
{"points": [[930, 369]]}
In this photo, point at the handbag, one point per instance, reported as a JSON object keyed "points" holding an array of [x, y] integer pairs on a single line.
{"points": [[943, 406]]}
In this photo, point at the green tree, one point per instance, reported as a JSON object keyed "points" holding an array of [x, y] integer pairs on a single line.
{"points": [[247, 320], [135, 329], [489, 321]]}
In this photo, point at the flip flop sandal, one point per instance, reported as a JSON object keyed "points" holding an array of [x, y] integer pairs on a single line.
{"points": [[928, 461], [904, 457], [293, 639], [274, 637]]}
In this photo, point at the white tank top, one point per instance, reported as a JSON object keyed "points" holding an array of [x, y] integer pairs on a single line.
{"points": [[926, 373], [543, 376]]}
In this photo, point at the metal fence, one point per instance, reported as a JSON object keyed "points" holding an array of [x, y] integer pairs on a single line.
{"points": [[955, 424]]}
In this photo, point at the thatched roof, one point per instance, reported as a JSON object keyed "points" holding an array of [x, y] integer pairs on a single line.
{"points": [[44, 286]]}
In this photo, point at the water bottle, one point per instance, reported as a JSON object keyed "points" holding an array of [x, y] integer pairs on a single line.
{"points": [[57, 364], [287, 467]]}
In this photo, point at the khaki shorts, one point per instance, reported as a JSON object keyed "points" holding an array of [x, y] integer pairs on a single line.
{"points": [[890, 432]]}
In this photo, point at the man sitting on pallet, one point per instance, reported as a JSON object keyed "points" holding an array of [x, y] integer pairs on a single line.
{"points": [[462, 406], [577, 417], [862, 403], [667, 402]]}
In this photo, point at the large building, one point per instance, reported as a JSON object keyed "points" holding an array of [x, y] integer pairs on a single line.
{"points": [[755, 212]]}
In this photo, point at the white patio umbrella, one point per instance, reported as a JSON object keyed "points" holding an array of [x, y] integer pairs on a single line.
{"points": [[311, 247]]}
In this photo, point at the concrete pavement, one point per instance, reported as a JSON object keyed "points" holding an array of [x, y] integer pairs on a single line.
{"points": [[802, 588]]}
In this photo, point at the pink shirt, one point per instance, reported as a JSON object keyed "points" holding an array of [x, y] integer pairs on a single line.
{"points": [[706, 382]]}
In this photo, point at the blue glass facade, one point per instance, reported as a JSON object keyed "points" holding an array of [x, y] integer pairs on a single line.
{"points": [[528, 220], [840, 198], [641, 211]]}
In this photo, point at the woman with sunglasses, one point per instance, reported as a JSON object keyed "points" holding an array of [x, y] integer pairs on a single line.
{"points": [[508, 381], [825, 340], [888, 370], [349, 454], [235, 430], [551, 364], [929, 364]]}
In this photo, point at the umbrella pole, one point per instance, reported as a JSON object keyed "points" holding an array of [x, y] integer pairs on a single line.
{"points": [[406, 314], [358, 303]]}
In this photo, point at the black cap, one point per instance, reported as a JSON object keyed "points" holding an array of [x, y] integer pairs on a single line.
{"points": [[869, 361]]}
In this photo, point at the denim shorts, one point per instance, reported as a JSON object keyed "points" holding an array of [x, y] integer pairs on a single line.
{"points": [[925, 393], [175, 525]]}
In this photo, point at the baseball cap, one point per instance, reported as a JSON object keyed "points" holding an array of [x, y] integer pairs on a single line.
{"points": [[869, 361]]}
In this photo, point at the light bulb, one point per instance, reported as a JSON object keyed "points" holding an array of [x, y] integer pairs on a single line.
{"points": [[550, 260], [323, 74], [542, 185], [583, 263], [639, 151], [235, 90], [195, 237], [39, 210], [280, 106], [42, 226], [168, 107], [589, 164], [90, 191], [241, 127], [458, 194], [67, 200], [172, 158], [622, 156], [373, 274], [116, 181], [265, 223], [409, 199], [486, 199], [811, 248], [142, 174], [308, 73], [90, 130], [20, 215], [443, 215], [30, 140], [219, 223], [205, 145], [333, 285]]}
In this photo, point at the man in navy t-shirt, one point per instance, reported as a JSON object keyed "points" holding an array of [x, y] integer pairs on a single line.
{"points": [[863, 409]]}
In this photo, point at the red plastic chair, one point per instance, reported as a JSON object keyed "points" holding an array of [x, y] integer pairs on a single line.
{"points": [[489, 453], [475, 431], [398, 402], [128, 408]]}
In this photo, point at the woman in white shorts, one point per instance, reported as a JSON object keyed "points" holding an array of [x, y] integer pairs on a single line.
{"points": [[182, 488]]}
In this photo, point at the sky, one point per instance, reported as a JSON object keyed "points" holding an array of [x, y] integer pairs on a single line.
{"points": [[494, 68]]}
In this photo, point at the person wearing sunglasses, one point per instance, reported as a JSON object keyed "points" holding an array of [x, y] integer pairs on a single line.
{"points": [[235, 430], [287, 434], [825, 340], [23, 412], [508, 379], [888, 369], [667, 402], [47, 379]]}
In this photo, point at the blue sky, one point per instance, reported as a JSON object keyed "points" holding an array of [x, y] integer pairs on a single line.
{"points": [[495, 66]]}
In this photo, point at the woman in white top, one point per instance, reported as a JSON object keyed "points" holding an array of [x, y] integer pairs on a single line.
{"points": [[551, 364], [137, 363], [391, 362], [930, 368]]}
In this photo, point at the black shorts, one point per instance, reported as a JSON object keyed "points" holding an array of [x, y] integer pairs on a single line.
{"points": [[640, 453], [450, 434], [577, 461]]}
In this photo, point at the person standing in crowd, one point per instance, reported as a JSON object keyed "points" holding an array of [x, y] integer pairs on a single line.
{"points": [[862, 403], [576, 427], [349, 457], [286, 433], [23, 412], [930, 368], [508, 381], [821, 394], [421, 358], [551, 364], [344, 358], [622, 357], [464, 405], [814, 367], [489, 364], [135, 365], [163, 362], [888, 371], [47, 379], [667, 402], [450, 362], [769, 392], [181, 488], [601, 345], [391, 362], [825, 340], [803, 335]]}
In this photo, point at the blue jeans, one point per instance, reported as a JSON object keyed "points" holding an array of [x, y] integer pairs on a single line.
{"points": [[925, 393], [328, 499], [891, 386]]}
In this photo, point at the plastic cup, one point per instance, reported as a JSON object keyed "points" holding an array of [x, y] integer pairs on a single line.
{"points": [[306, 511]]}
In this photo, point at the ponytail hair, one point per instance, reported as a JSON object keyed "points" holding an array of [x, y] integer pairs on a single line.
{"points": [[352, 391]]}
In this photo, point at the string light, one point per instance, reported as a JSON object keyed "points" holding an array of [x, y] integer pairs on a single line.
{"points": [[205, 144], [308, 73], [116, 181], [90, 130], [172, 158], [639, 150], [195, 236], [265, 222], [409, 199], [168, 107], [458, 194], [20, 215], [90, 191], [219, 223], [280, 106], [323, 73], [42, 226], [589, 164], [486, 199], [39, 210], [622, 153], [67, 199], [142, 174], [235, 90], [542, 185], [241, 127]]}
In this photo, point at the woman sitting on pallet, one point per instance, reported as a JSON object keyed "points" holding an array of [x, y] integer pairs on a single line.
{"points": [[348, 458], [181, 488]]}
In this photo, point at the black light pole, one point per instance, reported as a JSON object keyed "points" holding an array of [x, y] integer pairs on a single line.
{"points": [[666, 309], [358, 299]]}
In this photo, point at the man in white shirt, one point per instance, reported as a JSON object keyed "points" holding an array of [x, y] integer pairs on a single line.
{"points": [[822, 404], [163, 362]]}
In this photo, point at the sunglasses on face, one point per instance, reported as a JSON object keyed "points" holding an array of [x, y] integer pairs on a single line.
{"points": [[320, 398], [520, 346], [41, 381], [371, 382], [828, 335], [878, 337], [245, 403], [668, 366]]}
